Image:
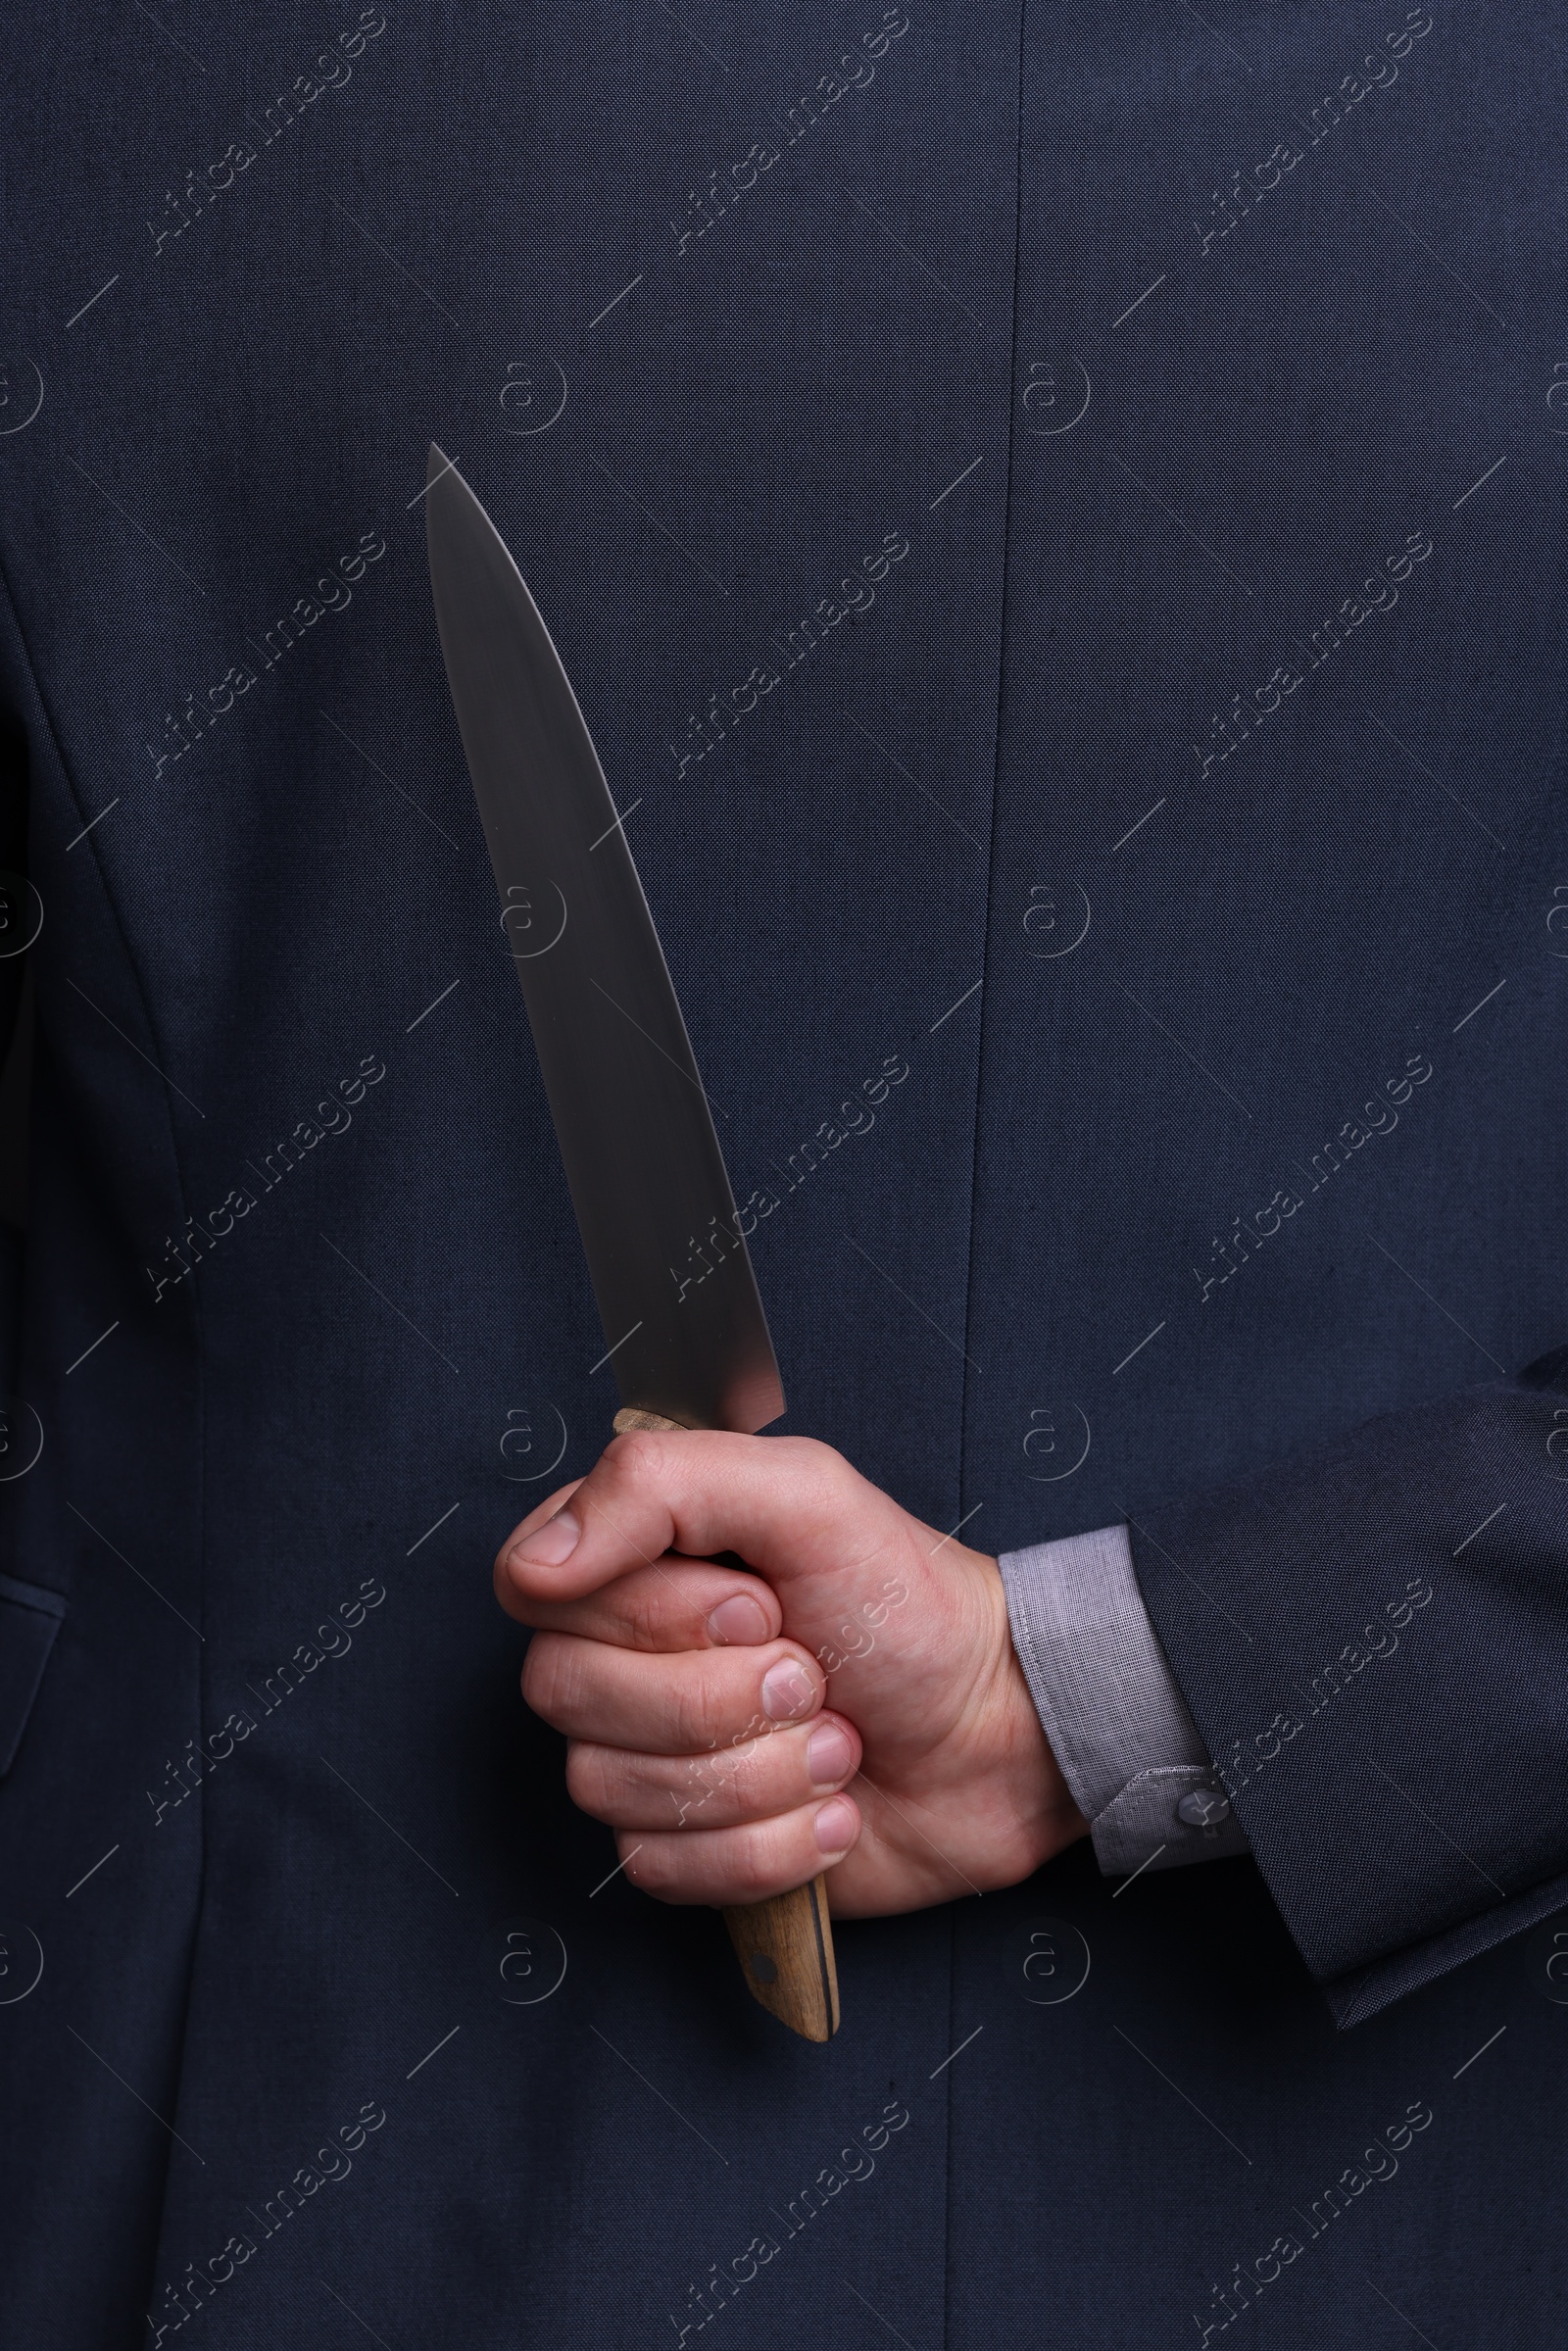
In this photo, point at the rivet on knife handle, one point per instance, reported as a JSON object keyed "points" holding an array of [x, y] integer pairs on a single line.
{"points": [[785, 1946]]}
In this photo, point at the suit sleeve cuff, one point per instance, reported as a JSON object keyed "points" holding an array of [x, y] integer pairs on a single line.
{"points": [[1109, 1706]]}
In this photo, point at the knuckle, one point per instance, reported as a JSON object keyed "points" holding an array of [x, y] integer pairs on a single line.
{"points": [[697, 1712], [637, 1455], [823, 1460], [753, 1868], [548, 1677], [536, 1674], [724, 1786], [655, 1870], [588, 1778], [746, 1781], [823, 1481], [645, 1614]]}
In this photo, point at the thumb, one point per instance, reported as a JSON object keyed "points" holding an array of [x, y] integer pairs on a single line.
{"points": [[898, 1617], [792, 1509]]}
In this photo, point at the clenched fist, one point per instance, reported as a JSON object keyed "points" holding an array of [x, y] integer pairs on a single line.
{"points": [[855, 1704]]}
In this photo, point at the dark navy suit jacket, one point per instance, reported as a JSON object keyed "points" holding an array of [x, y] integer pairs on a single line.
{"points": [[1054, 518]]}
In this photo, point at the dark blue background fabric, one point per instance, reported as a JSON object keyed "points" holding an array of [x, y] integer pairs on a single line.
{"points": [[1057, 524]]}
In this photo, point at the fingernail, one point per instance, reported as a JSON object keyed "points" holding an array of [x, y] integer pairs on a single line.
{"points": [[836, 1826], [548, 1546], [787, 1690], [829, 1753], [740, 1622]]}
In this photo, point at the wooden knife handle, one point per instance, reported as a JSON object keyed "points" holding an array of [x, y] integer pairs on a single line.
{"points": [[785, 1945]]}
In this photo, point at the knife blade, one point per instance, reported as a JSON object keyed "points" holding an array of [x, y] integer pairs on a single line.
{"points": [[683, 1321]]}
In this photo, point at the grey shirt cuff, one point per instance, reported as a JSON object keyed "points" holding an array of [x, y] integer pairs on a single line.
{"points": [[1108, 1703]]}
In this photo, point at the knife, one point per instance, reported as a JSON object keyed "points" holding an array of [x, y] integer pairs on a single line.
{"points": [[682, 1319]]}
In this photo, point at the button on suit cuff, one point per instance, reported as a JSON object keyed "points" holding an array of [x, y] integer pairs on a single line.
{"points": [[1109, 1706]]}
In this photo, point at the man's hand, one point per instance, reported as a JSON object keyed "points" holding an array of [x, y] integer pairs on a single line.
{"points": [[714, 1715]]}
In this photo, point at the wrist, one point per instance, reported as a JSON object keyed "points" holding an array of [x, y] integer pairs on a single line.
{"points": [[1031, 1780]]}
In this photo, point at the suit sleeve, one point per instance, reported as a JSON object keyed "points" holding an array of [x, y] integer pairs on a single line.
{"points": [[1373, 1642], [16, 916]]}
